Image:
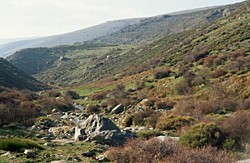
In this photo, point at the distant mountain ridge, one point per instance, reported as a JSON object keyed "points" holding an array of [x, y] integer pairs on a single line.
{"points": [[128, 31], [11, 77], [68, 38], [64, 65]]}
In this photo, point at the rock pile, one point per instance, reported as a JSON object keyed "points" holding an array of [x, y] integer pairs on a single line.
{"points": [[99, 129]]}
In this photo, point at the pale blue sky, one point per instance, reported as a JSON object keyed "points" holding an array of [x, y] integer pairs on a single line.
{"points": [[28, 18]]}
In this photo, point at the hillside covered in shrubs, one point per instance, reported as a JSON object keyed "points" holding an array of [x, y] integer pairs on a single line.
{"points": [[12, 77], [182, 98]]}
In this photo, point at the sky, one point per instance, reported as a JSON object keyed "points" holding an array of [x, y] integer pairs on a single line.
{"points": [[32, 18]]}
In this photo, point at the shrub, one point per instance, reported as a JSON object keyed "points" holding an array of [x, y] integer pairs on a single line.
{"points": [[161, 74], [140, 84], [16, 144], [140, 117], [54, 94], [152, 120], [118, 94], [183, 87], [92, 109], [245, 104], [51, 103], [208, 61], [164, 104], [24, 116], [237, 126], [203, 134], [155, 150], [99, 96], [148, 134], [218, 73], [139, 150], [112, 103], [173, 122], [199, 53], [72, 94], [205, 154]]}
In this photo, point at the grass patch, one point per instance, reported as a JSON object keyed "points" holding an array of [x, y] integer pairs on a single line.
{"points": [[17, 144], [148, 134]]}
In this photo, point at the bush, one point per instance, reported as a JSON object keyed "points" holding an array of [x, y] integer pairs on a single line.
{"points": [[54, 94], [148, 134], [237, 126], [92, 109], [185, 107], [161, 74], [155, 150], [25, 116], [140, 117], [72, 94], [203, 134], [164, 104], [152, 120], [173, 122], [99, 96], [16, 144], [112, 103], [183, 87], [205, 154], [218, 73], [139, 150], [51, 103]]}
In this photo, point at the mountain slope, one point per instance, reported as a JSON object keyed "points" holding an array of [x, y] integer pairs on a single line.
{"points": [[68, 38], [90, 62], [216, 40], [153, 28], [129, 31], [11, 77]]}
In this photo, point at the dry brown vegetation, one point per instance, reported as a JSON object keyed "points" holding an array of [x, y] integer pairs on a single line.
{"points": [[155, 150]]}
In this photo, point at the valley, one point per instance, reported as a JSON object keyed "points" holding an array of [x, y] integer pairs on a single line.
{"points": [[170, 88]]}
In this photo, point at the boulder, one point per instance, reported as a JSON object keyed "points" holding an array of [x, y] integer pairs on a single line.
{"points": [[118, 109], [101, 130], [97, 123], [110, 137]]}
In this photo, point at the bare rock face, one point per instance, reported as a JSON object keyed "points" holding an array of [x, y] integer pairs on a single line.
{"points": [[98, 123], [101, 130]]}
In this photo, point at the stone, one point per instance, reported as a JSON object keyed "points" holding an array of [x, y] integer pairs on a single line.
{"points": [[29, 153], [118, 109], [101, 158], [97, 123], [143, 128], [79, 134], [101, 130], [6, 154], [110, 137]]}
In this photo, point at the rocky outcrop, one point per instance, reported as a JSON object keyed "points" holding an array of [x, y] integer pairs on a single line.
{"points": [[101, 130]]}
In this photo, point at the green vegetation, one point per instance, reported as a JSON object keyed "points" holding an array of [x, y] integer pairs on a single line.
{"points": [[203, 134], [11, 77], [148, 134], [193, 85], [173, 122], [16, 144]]}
